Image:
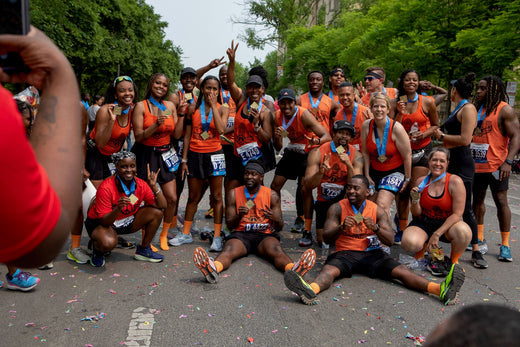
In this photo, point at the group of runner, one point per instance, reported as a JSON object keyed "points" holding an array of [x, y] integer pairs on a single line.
{"points": [[359, 147]]}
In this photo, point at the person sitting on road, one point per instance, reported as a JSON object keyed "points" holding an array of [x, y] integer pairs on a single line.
{"points": [[117, 210], [254, 214], [358, 226]]}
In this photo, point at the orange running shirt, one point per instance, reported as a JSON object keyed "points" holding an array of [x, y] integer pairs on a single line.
{"points": [[197, 143], [296, 130], [254, 220], [355, 238], [117, 137], [225, 95], [393, 157], [391, 92], [334, 180], [161, 136], [360, 118], [322, 112], [245, 130], [423, 122], [439, 207]]}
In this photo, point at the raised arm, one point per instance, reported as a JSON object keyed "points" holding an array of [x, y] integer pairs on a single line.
{"points": [[236, 92]]}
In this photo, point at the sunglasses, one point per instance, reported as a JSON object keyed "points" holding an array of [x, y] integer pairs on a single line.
{"points": [[121, 79], [369, 78]]}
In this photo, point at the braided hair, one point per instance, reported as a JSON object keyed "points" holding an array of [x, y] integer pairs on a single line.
{"points": [[496, 92]]}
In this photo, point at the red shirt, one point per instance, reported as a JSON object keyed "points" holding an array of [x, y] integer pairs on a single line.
{"points": [[108, 194], [30, 208]]}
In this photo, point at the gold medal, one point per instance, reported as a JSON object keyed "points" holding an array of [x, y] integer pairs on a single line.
{"points": [[403, 98], [415, 195], [284, 133], [204, 135], [254, 105], [118, 110], [188, 96], [225, 104], [478, 131], [167, 112], [250, 204], [133, 199], [340, 150], [358, 217], [382, 158]]}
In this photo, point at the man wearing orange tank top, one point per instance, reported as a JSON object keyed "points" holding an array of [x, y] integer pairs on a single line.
{"points": [[496, 140], [375, 83]]}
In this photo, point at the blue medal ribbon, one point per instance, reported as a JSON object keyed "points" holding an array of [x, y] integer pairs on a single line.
{"points": [[461, 103], [205, 121], [331, 95], [125, 111], [259, 105], [160, 106], [415, 98], [127, 191], [381, 147], [225, 97], [284, 126], [361, 209], [317, 103], [354, 114], [334, 150], [425, 183], [248, 195], [480, 116]]}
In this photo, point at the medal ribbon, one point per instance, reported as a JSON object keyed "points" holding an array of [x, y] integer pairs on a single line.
{"points": [[225, 97], [248, 195], [317, 103], [125, 188], [334, 150], [425, 183], [480, 116], [331, 95], [361, 209], [206, 121], [415, 98], [125, 111], [259, 105], [284, 126], [189, 101], [160, 106], [461, 103], [381, 147], [354, 114]]}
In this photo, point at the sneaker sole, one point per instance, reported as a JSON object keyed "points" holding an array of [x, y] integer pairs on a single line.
{"points": [[91, 263], [201, 260], [143, 258], [479, 266], [175, 244], [306, 262], [457, 280], [73, 258], [509, 260], [23, 289], [296, 284], [436, 273]]}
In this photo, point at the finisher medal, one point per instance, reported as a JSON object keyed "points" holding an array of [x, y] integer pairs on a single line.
{"points": [[250, 204], [382, 158], [204, 135], [358, 217]]}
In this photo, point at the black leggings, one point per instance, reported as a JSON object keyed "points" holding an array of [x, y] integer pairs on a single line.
{"points": [[469, 216]]}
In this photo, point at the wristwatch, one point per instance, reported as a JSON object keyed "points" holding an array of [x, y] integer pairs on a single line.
{"points": [[509, 161]]}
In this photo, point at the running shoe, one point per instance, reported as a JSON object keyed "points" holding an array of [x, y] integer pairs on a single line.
{"points": [[23, 281], [306, 240], [399, 233], [298, 226], [123, 243], [78, 255], [180, 240], [505, 254], [209, 213], [306, 262], [438, 267], [205, 264], [90, 248], [216, 245], [482, 246], [451, 286], [297, 284], [1, 283], [146, 254], [325, 245], [478, 260], [47, 266], [97, 259]]}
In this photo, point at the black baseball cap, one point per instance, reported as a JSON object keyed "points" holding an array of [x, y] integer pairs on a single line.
{"points": [[286, 94], [188, 70], [344, 124], [255, 79]]}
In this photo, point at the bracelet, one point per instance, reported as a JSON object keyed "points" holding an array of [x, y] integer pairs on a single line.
{"points": [[184, 160], [407, 179], [257, 128], [157, 192], [181, 115], [442, 136]]}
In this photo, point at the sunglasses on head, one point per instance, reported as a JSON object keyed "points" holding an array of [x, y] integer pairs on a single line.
{"points": [[121, 79]]}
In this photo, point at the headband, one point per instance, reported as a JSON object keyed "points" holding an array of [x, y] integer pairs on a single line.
{"points": [[374, 74], [255, 167]]}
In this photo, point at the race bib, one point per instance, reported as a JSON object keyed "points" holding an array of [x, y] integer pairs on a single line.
{"points": [[331, 191], [112, 168], [230, 122], [356, 146], [256, 227], [296, 147], [121, 223], [219, 164], [249, 152], [373, 243], [171, 159], [392, 182], [479, 152]]}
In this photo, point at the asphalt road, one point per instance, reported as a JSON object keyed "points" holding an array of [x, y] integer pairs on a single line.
{"points": [[169, 304]]}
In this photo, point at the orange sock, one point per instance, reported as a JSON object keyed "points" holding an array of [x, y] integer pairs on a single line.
{"points": [[455, 257], [480, 229], [505, 238], [173, 224], [308, 224], [218, 266], [289, 266], [151, 246], [434, 288], [187, 227], [163, 238], [315, 287], [403, 223], [76, 239], [218, 229], [420, 254]]}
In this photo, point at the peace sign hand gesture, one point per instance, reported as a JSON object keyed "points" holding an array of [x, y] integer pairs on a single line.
{"points": [[325, 166], [231, 52]]}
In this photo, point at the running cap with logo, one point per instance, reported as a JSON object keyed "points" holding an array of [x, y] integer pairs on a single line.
{"points": [[286, 94], [188, 70], [344, 124]]}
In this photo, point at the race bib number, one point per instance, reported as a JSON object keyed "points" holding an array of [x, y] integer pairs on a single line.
{"points": [[373, 243], [230, 122], [392, 182], [356, 146], [121, 223], [219, 164], [112, 168], [296, 147], [171, 159], [256, 227], [331, 191], [479, 152], [249, 152]]}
